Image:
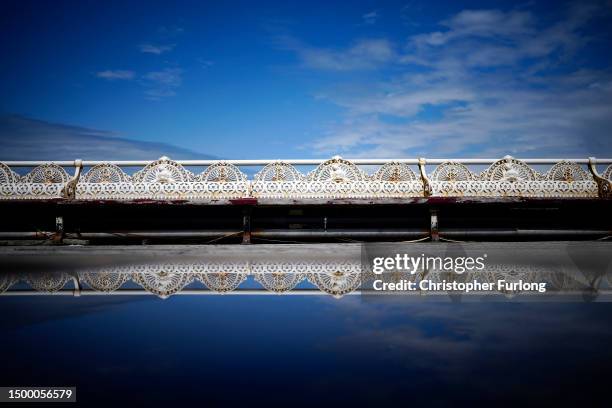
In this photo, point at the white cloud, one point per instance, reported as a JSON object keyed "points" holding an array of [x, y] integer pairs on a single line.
{"points": [[23, 138], [491, 83], [113, 75], [403, 102], [170, 31], [157, 84], [370, 18], [362, 55], [512, 25], [156, 49], [205, 63], [161, 84]]}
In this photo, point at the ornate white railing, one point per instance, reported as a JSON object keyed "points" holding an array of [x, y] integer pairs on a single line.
{"points": [[336, 178], [333, 278]]}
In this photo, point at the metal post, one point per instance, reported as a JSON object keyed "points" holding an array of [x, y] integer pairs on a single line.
{"points": [[435, 234], [246, 225], [59, 230]]}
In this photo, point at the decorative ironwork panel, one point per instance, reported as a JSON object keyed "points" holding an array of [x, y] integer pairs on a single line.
{"points": [[47, 174], [105, 174], [394, 172], [163, 179], [515, 189], [337, 283], [337, 278], [568, 172], [43, 182], [194, 190], [163, 171], [278, 172], [452, 172], [222, 173], [513, 178], [337, 170], [337, 178], [511, 170], [279, 282], [104, 281], [47, 282], [164, 281], [30, 191], [7, 176], [608, 173], [350, 189], [221, 281]]}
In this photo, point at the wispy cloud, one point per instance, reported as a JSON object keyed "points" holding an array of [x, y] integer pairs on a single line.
{"points": [[156, 49], [462, 340], [162, 84], [113, 75], [370, 18], [170, 31], [157, 84], [205, 63], [489, 82], [364, 54], [23, 138], [480, 23]]}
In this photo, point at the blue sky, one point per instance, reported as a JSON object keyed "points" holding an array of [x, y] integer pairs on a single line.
{"points": [[305, 79]]}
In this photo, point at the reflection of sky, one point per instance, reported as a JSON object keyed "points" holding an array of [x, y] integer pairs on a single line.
{"points": [[302, 350]]}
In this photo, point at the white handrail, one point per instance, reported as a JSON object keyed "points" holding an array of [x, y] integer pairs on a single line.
{"points": [[298, 162]]}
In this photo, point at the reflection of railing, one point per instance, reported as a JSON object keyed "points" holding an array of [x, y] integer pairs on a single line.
{"points": [[334, 278], [165, 179]]}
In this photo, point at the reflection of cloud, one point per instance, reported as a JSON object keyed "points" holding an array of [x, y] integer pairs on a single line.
{"points": [[22, 138], [182, 343], [450, 340], [19, 312]]}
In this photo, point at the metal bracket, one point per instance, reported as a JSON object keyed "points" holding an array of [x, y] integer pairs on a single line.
{"points": [[77, 285], [604, 186], [426, 183], [69, 190]]}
